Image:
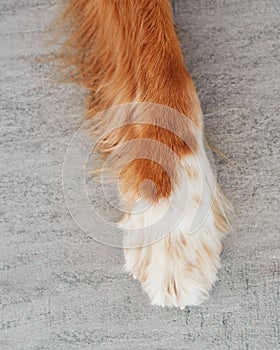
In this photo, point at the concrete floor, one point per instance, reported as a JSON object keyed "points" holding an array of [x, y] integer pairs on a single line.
{"points": [[62, 290]]}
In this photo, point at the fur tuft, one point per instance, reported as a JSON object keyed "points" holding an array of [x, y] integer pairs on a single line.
{"points": [[127, 55]]}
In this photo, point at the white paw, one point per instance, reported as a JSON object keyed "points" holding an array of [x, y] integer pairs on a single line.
{"points": [[178, 270], [173, 247]]}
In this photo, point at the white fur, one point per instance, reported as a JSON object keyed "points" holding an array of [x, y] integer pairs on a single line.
{"points": [[173, 273]]}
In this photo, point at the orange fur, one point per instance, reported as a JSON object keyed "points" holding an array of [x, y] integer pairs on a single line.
{"points": [[124, 51]]}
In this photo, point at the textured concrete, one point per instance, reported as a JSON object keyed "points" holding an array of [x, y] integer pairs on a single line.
{"points": [[62, 290]]}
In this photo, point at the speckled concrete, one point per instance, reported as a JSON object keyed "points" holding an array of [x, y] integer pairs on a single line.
{"points": [[62, 290]]}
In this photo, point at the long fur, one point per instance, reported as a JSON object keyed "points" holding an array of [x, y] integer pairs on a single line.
{"points": [[127, 55]]}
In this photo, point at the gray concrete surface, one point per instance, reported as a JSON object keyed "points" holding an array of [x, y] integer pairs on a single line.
{"points": [[62, 290]]}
